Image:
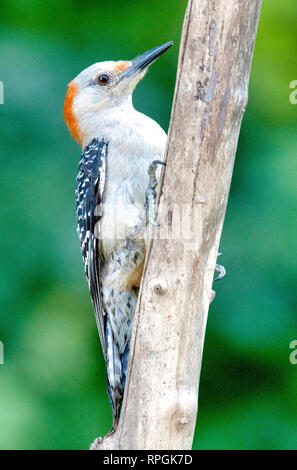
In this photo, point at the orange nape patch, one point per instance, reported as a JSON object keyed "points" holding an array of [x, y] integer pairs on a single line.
{"points": [[69, 116], [121, 65]]}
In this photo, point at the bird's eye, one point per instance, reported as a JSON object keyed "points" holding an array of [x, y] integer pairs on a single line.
{"points": [[103, 79]]}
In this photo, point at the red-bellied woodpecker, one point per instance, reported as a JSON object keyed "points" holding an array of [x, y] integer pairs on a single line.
{"points": [[114, 193]]}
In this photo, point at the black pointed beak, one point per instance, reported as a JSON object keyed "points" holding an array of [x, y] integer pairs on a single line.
{"points": [[142, 61]]}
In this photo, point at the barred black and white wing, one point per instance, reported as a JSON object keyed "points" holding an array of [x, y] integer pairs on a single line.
{"points": [[90, 183]]}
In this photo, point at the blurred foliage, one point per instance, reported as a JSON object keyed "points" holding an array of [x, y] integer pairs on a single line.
{"points": [[52, 386]]}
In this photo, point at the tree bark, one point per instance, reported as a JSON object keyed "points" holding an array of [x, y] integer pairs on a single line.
{"points": [[161, 397]]}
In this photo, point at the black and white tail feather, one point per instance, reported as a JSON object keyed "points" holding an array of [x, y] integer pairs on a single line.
{"points": [[90, 184]]}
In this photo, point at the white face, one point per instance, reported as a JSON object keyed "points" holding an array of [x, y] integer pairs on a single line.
{"points": [[103, 84]]}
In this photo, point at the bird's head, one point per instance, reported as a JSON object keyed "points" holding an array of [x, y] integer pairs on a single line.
{"points": [[103, 86]]}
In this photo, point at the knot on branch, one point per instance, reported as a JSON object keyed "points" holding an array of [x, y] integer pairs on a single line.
{"points": [[159, 286]]}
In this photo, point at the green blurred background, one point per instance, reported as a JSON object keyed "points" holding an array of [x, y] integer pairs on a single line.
{"points": [[52, 385]]}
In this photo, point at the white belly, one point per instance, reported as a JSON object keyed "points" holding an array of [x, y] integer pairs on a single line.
{"points": [[128, 158]]}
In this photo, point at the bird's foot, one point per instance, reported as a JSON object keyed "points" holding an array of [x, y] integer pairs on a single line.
{"points": [[220, 270], [150, 194]]}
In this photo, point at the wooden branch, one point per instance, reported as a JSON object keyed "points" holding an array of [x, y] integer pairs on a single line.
{"points": [[160, 404]]}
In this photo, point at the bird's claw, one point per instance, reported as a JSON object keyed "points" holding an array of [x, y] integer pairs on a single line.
{"points": [[220, 269], [150, 195]]}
